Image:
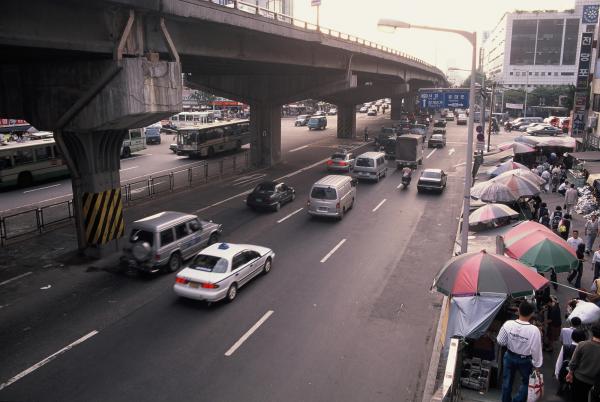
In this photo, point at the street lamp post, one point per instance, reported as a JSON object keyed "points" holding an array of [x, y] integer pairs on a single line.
{"points": [[390, 26]]}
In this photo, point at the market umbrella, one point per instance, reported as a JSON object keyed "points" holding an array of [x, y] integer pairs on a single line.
{"points": [[543, 251], [520, 148], [505, 145], [505, 167], [519, 184], [523, 229], [491, 212], [491, 191], [526, 173], [479, 272]]}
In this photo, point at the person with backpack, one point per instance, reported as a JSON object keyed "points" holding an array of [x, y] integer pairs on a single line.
{"points": [[584, 367], [556, 217], [545, 220], [562, 361], [564, 226], [576, 273]]}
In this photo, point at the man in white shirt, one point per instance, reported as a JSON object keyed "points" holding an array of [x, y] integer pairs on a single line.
{"points": [[565, 333], [574, 241], [564, 356], [591, 231], [571, 197], [562, 189], [523, 342], [596, 263]]}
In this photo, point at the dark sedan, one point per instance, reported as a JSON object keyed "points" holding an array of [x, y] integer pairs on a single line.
{"points": [[545, 131], [439, 123], [432, 180], [270, 195]]}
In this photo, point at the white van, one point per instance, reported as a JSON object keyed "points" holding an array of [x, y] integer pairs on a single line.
{"points": [[134, 141], [370, 166], [332, 196]]}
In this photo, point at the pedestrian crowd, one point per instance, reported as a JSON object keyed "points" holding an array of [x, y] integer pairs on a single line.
{"points": [[539, 327]]}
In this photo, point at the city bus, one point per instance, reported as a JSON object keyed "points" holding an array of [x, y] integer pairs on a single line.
{"points": [[190, 119], [28, 162], [212, 139], [134, 141]]}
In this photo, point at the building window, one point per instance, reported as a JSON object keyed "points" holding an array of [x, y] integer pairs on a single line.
{"points": [[549, 42], [536, 73], [530, 73], [571, 41], [523, 42], [556, 73], [518, 73], [567, 74], [596, 103], [543, 73], [511, 73]]}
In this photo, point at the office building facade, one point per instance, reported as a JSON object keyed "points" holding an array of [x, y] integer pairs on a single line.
{"points": [[537, 48]]}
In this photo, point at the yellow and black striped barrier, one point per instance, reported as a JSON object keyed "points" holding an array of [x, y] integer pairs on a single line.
{"points": [[103, 216]]}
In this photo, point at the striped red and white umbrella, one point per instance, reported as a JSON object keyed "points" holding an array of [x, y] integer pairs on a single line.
{"points": [[518, 184], [520, 148], [491, 191], [543, 250], [491, 212], [523, 229], [505, 167], [480, 272], [526, 173]]}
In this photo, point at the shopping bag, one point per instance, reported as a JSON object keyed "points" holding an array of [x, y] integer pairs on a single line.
{"points": [[535, 391]]}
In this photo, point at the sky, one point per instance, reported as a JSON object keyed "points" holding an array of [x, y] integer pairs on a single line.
{"points": [[360, 18]]}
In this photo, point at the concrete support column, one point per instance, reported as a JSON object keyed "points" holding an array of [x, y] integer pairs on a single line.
{"points": [[94, 161], [346, 120], [396, 108], [409, 102], [265, 131]]}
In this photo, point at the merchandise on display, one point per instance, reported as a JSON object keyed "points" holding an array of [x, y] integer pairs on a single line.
{"points": [[587, 203]]}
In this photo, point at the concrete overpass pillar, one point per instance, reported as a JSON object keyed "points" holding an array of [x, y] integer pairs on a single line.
{"points": [[410, 100], [346, 120], [265, 129], [94, 161], [396, 108]]}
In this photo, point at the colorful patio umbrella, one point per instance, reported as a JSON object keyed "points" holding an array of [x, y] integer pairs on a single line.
{"points": [[479, 272], [526, 173], [542, 250], [505, 167], [520, 148], [491, 191], [491, 212], [519, 184], [505, 145]]}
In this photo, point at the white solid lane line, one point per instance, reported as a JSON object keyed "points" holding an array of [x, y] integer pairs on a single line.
{"points": [[47, 360], [247, 335], [333, 250], [298, 149], [129, 168], [250, 177], [431, 153], [41, 188], [15, 278], [452, 150], [380, 204], [399, 185], [290, 215]]}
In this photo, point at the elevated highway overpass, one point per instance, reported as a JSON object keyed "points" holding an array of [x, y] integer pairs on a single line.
{"points": [[88, 70]]}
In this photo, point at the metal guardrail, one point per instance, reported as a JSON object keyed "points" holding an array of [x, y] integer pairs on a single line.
{"points": [[42, 219], [286, 19]]}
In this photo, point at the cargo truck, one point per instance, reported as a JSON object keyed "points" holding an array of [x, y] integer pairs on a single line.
{"points": [[409, 150]]}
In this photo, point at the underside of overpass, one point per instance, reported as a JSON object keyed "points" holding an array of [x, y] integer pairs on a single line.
{"points": [[89, 71]]}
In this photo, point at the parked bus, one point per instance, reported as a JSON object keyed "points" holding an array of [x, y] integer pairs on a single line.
{"points": [[134, 141], [215, 138], [189, 119], [25, 163]]}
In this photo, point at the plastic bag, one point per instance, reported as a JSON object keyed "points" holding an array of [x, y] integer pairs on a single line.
{"points": [[535, 391], [586, 311]]}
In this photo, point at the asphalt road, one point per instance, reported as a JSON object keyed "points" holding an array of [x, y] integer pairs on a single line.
{"points": [[158, 159], [355, 327]]}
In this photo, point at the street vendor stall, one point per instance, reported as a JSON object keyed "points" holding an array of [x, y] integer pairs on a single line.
{"points": [[544, 148], [581, 166]]}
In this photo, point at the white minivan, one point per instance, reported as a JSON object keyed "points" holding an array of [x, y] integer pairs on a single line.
{"points": [[332, 196], [370, 166]]}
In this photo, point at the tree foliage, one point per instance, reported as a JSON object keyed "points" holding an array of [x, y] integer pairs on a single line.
{"points": [[542, 96]]}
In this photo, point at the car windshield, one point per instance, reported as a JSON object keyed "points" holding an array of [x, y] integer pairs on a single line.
{"points": [[143, 236], [431, 175], [302, 117], [209, 263], [313, 120], [323, 193], [265, 188], [365, 162], [338, 156], [437, 137]]}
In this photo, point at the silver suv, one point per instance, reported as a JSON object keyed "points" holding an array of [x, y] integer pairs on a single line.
{"points": [[165, 240]]}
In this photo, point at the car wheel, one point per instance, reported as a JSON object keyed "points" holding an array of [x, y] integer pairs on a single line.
{"points": [[126, 152], [277, 206], [267, 266], [174, 262], [213, 239], [25, 179], [231, 293]]}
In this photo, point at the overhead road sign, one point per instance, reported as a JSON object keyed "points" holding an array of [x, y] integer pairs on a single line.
{"points": [[439, 98]]}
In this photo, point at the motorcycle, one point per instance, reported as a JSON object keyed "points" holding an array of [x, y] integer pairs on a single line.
{"points": [[405, 181]]}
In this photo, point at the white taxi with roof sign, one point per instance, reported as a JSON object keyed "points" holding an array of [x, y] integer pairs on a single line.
{"points": [[218, 271]]}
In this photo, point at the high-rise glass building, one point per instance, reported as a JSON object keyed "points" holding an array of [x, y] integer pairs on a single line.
{"points": [[527, 49]]}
